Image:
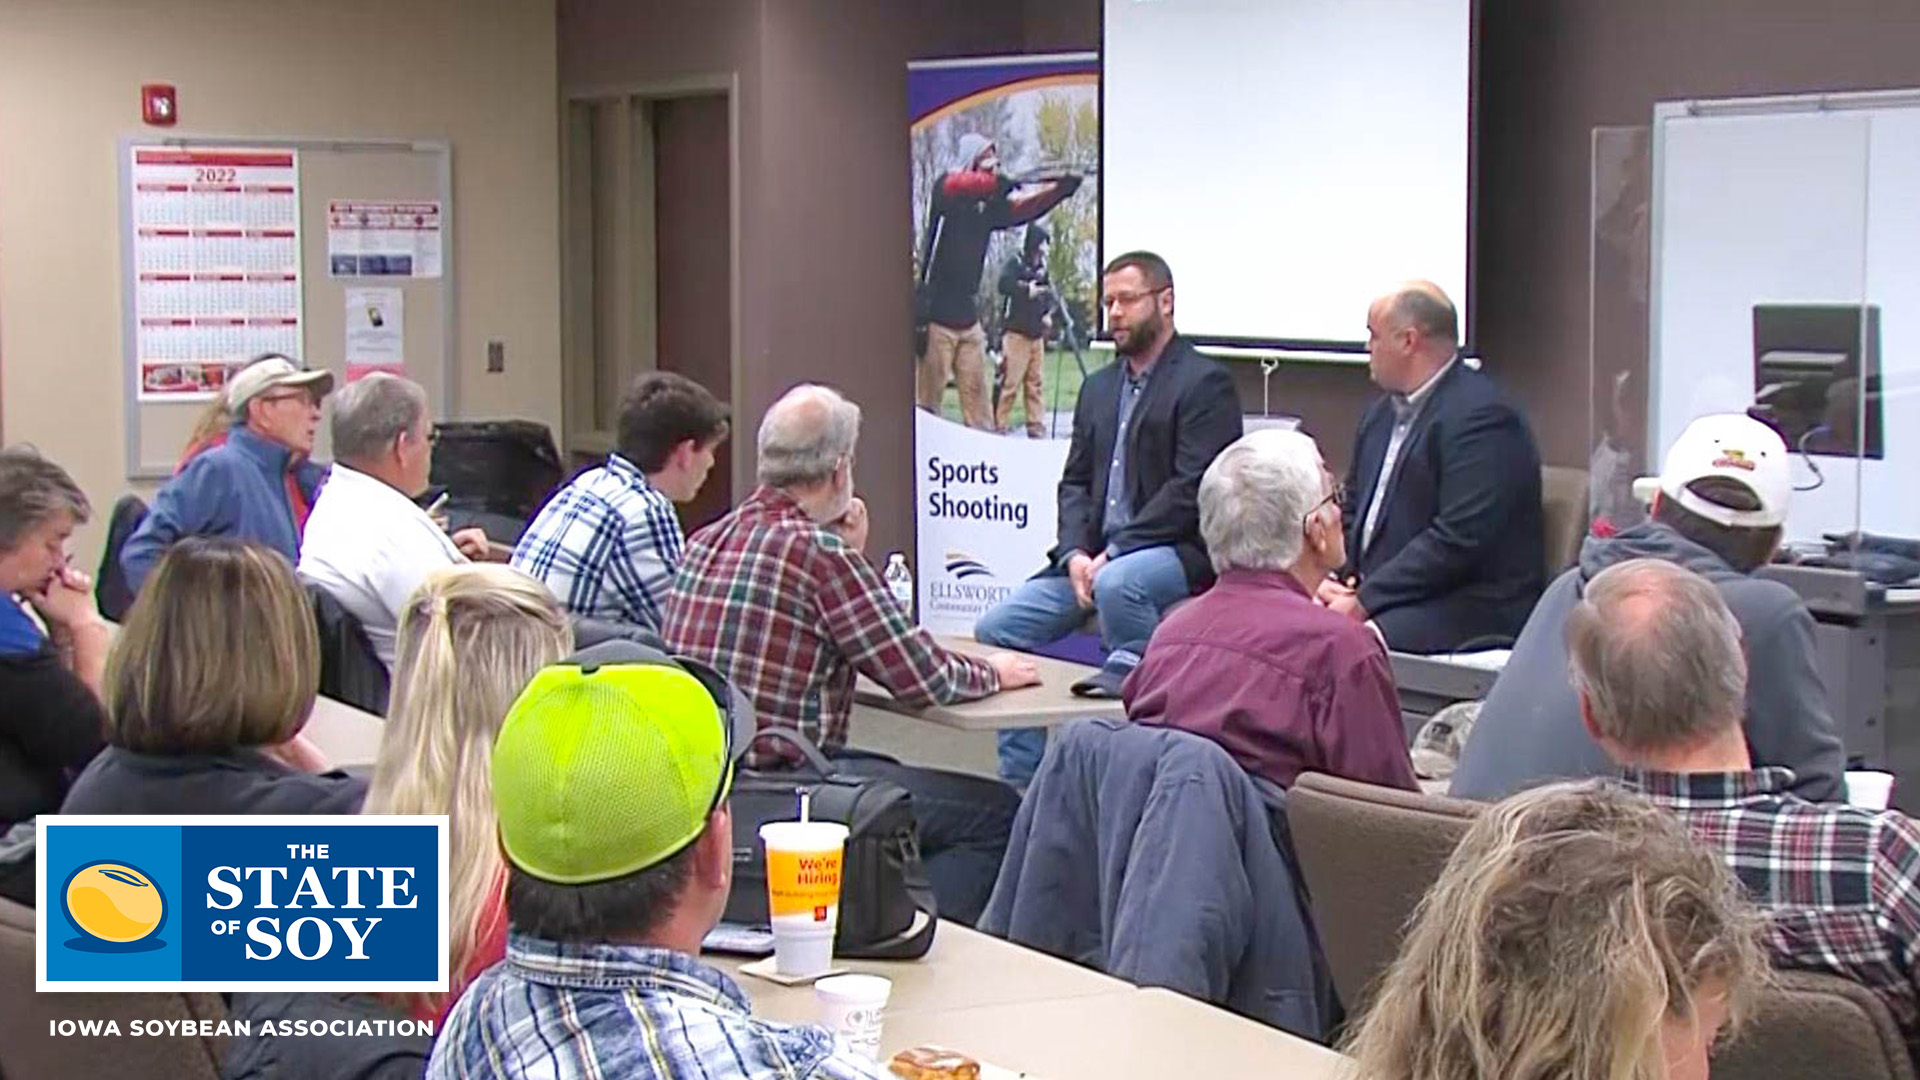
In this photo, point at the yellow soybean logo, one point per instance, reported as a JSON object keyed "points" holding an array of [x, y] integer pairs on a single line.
{"points": [[114, 902]]}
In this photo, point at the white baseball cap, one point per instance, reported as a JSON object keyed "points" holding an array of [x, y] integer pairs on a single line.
{"points": [[1730, 445], [271, 371]]}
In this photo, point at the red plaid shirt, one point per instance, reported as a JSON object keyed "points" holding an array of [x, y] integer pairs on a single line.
{"points": [[1841, 884], [789, 612]]}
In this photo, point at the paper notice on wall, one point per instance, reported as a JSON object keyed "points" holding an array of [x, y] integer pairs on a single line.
{"points": [[376, 332], [383, 239], [216, 264]]}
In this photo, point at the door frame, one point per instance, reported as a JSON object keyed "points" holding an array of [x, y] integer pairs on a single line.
{"points": [[727, 83]]}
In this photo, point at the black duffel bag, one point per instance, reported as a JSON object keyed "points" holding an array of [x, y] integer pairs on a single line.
{"points": [[887, 910]]}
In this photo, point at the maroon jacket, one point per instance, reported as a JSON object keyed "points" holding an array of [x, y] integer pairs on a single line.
{"points": [[1281, 683]]}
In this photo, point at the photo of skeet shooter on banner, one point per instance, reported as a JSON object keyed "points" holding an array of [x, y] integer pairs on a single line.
{"points": [[1006, 274]]}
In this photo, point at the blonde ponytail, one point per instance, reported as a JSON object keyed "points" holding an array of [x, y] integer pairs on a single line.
{"points": [[470, 639]]}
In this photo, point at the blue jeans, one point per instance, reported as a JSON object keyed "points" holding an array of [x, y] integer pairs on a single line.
{"points": [[964, 824], [1129, 593]]}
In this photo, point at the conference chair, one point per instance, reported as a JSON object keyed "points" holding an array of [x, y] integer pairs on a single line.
{"points": [[1563, 505], [111, 593], [1370, 853], [350, 669], [27, 1052], [1811, 1026]]}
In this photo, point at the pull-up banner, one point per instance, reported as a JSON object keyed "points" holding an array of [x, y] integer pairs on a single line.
{"points": [[1006, 275]]}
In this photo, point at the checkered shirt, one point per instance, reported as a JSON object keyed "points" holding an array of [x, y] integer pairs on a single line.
{"points": [[1841, 884], [607, 545], [587, 1012], [790, 612]]}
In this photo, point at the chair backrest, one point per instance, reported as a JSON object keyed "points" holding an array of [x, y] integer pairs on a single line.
{"points": [[350, 669], [1369, 854], [1810, 1026], [111, 593], [1563, 505], [28, 1051]]}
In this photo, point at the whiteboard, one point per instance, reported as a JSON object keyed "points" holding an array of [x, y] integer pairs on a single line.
{"points": [[364, 169], [1808, 200]]}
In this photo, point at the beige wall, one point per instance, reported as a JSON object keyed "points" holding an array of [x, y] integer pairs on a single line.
{"points": [[478, 74], [825, 244]]}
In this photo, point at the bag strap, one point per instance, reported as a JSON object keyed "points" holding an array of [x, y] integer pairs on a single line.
{"points": [[910, 943], [808, 751]]}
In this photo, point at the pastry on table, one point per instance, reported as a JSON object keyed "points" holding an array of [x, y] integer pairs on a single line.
{"points": [[934, 1063]]}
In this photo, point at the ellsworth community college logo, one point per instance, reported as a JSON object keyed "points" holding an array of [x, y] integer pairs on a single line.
{"points": [[225, 903]]}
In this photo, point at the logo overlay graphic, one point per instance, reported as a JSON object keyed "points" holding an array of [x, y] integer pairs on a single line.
{"points": [[225, 903], [963, 566]]}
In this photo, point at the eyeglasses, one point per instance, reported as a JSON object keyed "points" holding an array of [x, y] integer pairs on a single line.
{"points": [[1340, 497], [291, 395], [1128, 299]]}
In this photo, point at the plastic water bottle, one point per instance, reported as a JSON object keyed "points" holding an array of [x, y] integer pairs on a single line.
{"points": [[900, 580]]}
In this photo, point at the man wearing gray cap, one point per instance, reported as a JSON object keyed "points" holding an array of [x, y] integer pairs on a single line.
{"points": [[239, 489]]}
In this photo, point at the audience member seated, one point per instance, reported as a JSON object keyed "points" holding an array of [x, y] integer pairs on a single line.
{"points": [[1447, 538], [1719, 510], [216, 423], [1254, 663], [1663, 684], [470, 640], [1576, 932], [50, 678], [239, 489], [611, 777], [608, 543], [1144, 428], [779, 596], [368, 543], [209, 684]]}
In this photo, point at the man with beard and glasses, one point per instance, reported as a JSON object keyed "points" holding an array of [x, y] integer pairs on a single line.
{"points": [[1144, 430]]}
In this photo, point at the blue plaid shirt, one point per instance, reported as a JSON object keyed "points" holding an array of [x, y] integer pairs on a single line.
{"points": [[561, 1011], [607, 545]]}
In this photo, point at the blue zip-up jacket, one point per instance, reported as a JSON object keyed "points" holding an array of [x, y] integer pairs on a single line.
{"points": [[238, 490]]}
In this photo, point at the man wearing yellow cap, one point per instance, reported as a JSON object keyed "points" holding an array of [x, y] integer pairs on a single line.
{"points": [[610, 778]]}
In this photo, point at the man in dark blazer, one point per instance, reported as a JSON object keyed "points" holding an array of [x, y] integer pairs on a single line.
{"points": [[1446, 536], [1129, 530]]}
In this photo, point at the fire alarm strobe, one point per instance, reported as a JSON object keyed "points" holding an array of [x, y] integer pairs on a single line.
{"points": [[158, 105]]}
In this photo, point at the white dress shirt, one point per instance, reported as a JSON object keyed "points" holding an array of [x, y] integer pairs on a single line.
{"points": [[1405, 410], [370, 546]]}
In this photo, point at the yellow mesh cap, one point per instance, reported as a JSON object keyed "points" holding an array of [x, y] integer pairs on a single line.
{"points": [[602, 769]]}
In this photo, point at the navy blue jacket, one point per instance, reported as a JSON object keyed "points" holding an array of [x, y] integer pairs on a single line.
{"points": [[1459, 552], [237, 489], [1188, 413], [1147, 853]]}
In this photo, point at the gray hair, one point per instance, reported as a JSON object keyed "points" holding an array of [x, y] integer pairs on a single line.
{"points": [[372, 412], [32, 489], [1654, 650], [806, 435], [1425, 308], [1255, 497]]}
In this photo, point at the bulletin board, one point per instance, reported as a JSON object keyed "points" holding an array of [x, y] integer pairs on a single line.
{"points": [[327, 250]]}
